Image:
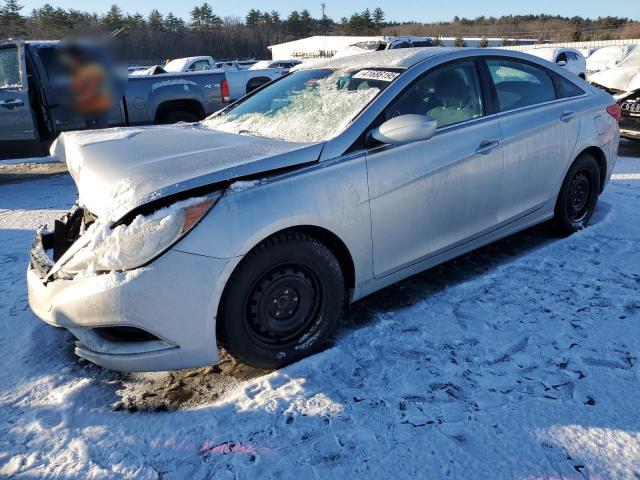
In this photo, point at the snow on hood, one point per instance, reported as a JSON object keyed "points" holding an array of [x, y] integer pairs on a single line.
{"points": [[119, 169], [625, 79]]}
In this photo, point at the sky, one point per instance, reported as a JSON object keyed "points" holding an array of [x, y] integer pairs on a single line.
{"points": [[398, 10]]}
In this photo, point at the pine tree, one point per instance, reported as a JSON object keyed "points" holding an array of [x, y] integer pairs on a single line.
{"points": [[306, 22], [378, 18], [202, 17], [113, 19], [155, 21], [253, 17], [12, 23]]}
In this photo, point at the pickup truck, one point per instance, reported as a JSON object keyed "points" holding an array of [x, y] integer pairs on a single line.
{"points": [[32, 113], [240, 82]]}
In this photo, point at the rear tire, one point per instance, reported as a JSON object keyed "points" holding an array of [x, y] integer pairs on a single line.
{"points": [[282, 302], [578, 196]]}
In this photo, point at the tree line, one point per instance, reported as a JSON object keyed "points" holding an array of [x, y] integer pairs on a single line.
{"points": [[158, 36]]}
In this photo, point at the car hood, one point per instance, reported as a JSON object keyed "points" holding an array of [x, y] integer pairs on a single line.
{"points": [[119, 169], [624, 79]]}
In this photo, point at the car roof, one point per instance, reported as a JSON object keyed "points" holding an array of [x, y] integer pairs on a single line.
{"points": [[398, 58]]}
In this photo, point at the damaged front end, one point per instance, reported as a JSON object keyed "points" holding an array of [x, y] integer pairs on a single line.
{"points": [[94, 279], [83, 245], [49, 246]]}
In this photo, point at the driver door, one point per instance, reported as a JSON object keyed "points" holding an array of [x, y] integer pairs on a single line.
{"points": [[429, 196], [16, 120]]}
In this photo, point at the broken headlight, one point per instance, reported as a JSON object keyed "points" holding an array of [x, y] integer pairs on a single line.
{"points": [[106, 248]]}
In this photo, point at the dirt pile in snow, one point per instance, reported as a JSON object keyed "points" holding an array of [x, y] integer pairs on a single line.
{"points": [[185, 388]]}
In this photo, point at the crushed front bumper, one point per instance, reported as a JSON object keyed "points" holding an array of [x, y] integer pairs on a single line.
{"points": [[169, 305]]}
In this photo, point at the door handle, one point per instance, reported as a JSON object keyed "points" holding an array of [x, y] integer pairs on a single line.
{"points": [[566, 116], [11, 103], [487, 145]]}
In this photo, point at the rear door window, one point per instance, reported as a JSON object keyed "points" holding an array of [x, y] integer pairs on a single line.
{"points": [[9, 67], [520, 84]]}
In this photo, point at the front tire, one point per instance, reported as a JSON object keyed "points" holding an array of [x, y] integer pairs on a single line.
{"points": [[578, 196], [282, 302]]}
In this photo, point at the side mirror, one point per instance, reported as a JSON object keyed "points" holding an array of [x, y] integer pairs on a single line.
{"points": [[405, 129], [561, 63]]}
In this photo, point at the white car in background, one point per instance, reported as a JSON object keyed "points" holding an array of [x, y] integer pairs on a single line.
{"points": [[607, 57], [569, 58]]}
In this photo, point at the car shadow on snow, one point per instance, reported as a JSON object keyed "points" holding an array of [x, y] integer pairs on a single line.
{"points": [[461, 269]]}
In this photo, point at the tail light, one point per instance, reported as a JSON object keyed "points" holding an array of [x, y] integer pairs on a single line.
{"points": [[615, 111], [224, 90]]}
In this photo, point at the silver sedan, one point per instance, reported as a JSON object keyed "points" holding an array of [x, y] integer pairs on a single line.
{"points": [[255, 228]]}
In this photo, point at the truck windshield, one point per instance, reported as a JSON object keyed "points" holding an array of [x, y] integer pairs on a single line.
{"points": [[305, 106]]}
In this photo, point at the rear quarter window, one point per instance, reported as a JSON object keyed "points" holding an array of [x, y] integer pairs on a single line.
{"points": [[566, 88]]}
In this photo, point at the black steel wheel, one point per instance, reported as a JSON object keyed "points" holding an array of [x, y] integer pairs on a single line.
{"points": [[578, 195], [283, 301]]}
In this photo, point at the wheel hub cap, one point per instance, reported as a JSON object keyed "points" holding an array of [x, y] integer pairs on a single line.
{"points": [[282, 304], [578, 196]]}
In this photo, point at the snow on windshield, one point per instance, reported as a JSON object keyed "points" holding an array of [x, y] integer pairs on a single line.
{"points": [[317, 112]]}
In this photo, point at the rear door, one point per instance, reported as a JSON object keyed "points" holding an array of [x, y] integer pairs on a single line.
{"points": [[540, 131], [16, 120]]}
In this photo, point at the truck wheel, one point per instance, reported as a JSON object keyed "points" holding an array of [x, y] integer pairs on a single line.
{"points": [[578, 196], [283, 301], [178, 116], [256, 83]]}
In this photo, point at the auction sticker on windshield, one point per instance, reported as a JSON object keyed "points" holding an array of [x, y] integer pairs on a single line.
{"points": [[382, 75]]}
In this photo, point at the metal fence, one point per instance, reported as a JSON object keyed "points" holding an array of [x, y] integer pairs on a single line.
{"points": [[588, 44]]}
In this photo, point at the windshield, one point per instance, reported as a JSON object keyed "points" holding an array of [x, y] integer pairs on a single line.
{"points": [[632, 60], [305, 106]]}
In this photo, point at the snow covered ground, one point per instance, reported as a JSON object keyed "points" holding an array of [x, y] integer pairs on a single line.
{"points": [[519, 360]]}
